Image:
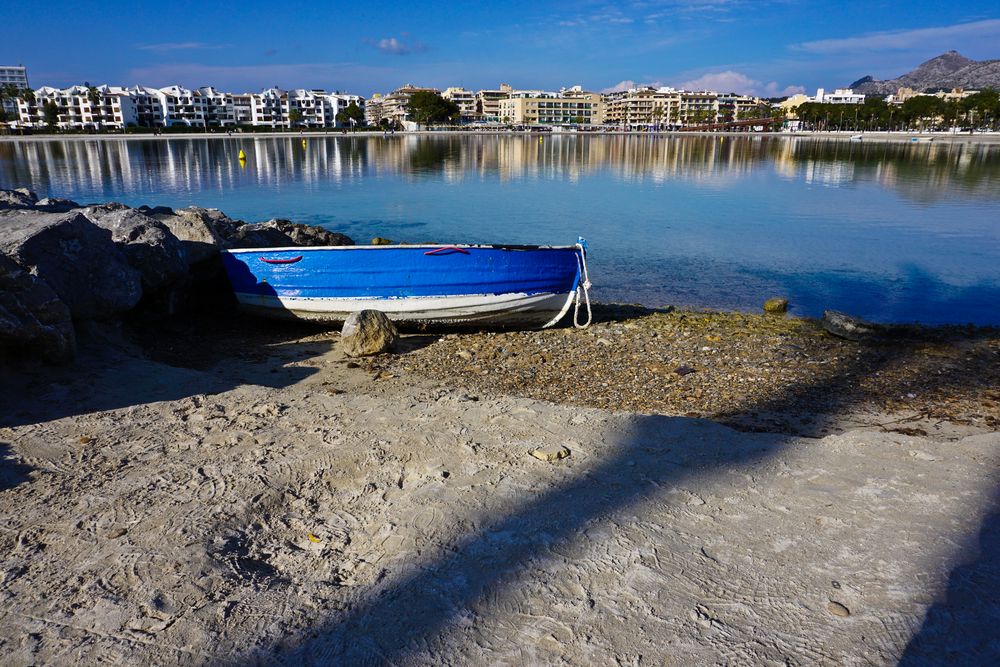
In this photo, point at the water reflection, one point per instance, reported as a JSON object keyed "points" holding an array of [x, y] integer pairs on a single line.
{"points": [[91, 168], [690, 220]]}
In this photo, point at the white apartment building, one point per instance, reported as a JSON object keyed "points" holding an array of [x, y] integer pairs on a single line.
{"points": [[148, 107], [266, 108], [466, 101], [838, 96], [218, 107], [182, 106], [78, 108]]}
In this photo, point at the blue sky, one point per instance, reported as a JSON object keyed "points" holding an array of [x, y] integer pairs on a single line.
{"points": [[761, 47]]}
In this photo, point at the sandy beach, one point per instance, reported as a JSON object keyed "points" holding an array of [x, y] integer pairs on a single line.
{"points": [[220, 490]]}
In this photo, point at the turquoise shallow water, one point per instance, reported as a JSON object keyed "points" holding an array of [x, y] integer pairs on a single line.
{"points": [[892, 232]]}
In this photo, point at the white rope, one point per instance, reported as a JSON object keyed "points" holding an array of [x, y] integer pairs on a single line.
{"points": [[584, 286]]}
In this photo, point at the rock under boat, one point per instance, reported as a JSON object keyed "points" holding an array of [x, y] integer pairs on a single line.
{"points": [[422, 285]]}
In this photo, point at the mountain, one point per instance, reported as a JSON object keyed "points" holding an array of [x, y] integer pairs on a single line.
{"points": [[948, 70]]}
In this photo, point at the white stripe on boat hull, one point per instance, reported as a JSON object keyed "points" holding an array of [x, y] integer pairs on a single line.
{"points": [[542, 310]]}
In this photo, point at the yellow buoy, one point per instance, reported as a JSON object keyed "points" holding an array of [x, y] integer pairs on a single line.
{"points": [[243, 156], [303, 143]]}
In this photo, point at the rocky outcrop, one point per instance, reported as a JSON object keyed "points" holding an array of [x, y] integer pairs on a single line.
{"points": [[22, 198], [279, 233], [60, 262], [198, 230], [148, 245], [32, 316], [56, 205], [944, 72], [367, 332], [77, 259]]}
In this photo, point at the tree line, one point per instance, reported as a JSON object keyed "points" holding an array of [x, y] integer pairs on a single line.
{"points": [[979, 111]]}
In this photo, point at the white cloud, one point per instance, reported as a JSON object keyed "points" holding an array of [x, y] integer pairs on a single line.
{"points": [[628, 84], [721, 82], [178, 46], [396, 47], [945, 37]]}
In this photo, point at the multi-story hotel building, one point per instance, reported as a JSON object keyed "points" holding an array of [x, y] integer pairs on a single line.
{"points": [[546, 108], [488, 102], [12, 78], [466, 101], [396, 105]]}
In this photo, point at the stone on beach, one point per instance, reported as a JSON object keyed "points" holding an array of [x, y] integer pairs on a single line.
{"points": [[77, 259], [367, 332], [550, 453], [777, 305], [847, 326]]}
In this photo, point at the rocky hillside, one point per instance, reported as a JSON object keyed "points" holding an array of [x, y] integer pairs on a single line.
{"points": [[948, 70]]}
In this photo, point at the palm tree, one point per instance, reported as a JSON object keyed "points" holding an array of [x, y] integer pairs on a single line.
{"points": [[94, 97]]}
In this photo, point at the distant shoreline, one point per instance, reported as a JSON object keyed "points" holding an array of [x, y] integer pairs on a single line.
{"points": [[892, 137]]}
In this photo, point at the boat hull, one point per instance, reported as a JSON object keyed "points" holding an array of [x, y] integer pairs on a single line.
{"points": [[427, 285]]}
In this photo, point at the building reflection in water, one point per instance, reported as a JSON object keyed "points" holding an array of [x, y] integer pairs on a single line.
{"points": [[112, 168]]}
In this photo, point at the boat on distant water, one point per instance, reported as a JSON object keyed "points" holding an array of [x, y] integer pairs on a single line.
{"points": [[921, 139], [422, 285], [857, 137]]}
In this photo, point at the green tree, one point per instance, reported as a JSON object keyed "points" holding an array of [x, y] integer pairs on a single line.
{"points": [[50, 112], [351, 113], [428, 108], [8, 94], [294, 117]]}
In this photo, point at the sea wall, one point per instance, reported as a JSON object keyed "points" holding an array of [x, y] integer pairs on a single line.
{"points": [[63, 263]]}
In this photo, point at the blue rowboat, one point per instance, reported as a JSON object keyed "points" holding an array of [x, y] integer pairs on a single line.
{"points": [[449, 285]]}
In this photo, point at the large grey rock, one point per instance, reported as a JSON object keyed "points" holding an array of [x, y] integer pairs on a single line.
{"points": [[367, 332], [147, 243], [201, 231], [850, 327], [56, 205], [22, 198], [278, 233], [32, 316], [77, 259]]}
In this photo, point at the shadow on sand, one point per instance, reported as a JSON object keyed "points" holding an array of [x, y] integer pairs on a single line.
{"points": [[395, 621], [12, 472]]}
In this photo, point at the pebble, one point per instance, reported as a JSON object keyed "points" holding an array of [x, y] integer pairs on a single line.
{"points": [[550, 453], [838, 609]]}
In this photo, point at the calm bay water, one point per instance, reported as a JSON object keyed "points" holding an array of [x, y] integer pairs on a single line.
{"points": [[892, 232]]}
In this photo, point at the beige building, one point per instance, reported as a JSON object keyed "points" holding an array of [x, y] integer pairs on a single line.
{"points": [[395, 104], [572, 106], [465, 99], [698, 108], [642, 107], [488, 102]]}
